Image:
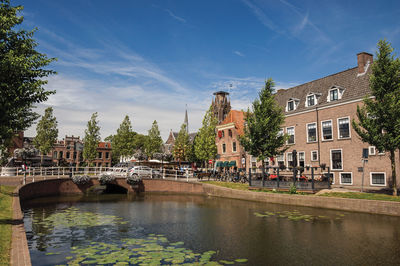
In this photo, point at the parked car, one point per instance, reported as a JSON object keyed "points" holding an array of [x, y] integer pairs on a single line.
{"points": [[144, 171], [117, 171]]}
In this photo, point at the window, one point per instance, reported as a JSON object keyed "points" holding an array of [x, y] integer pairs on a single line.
{"points": [[100, 155], [223, 147], [106, 145], [280, 159], [336, 160], [312, 132], [107, 155], [290, 106], [327, 130], [311, 100], [280, 133], [60, 154], [346, 178], [67, 155], [55, 155], [301, 155], [74, 155], [290, 159], [234, 146], [344, 128], [230, 133], [371, 150], [378, 179], [223, 133], [290, 132], [334, 95], [314, 156]]}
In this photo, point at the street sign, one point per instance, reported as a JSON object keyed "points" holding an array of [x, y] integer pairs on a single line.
{"points": [[210, 161]]}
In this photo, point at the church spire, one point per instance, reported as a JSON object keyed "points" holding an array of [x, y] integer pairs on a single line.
{"points": [[186, 122]]}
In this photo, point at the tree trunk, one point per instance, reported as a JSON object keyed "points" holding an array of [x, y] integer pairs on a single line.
{"points": [[41, 159], [393, 163]]}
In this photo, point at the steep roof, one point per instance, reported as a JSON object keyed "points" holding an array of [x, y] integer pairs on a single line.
{"points": [[355, 86], [236, 117]]}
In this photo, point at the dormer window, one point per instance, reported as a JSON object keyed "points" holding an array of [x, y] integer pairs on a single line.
{"points": [[292, 104], [310, 100], [335, 94]]}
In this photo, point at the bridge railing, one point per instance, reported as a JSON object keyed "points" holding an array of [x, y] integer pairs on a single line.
{"points": [[57, 172]]}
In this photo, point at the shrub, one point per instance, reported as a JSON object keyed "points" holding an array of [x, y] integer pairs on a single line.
{"points": [[293, 189], [80, 179], [133, 179], [105, 179]]}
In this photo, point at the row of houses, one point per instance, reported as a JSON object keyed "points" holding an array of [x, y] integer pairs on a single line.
{"points": [[318, 117]]}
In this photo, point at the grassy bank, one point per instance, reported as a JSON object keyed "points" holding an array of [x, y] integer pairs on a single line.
{"points": [[356, 195], [5, 225]]}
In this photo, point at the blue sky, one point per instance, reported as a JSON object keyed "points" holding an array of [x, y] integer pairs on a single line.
{"points": [[148, 59]]}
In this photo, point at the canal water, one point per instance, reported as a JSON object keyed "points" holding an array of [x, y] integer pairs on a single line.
{"points": [[156, 229]]}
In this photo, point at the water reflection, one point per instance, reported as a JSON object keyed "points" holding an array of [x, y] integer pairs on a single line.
{"points": [[230, 227]]}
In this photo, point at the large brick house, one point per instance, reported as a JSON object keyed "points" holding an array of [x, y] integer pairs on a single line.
{"points": [[318, 121]]}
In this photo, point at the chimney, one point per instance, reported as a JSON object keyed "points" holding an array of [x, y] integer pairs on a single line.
{"points": [[363, 60]]}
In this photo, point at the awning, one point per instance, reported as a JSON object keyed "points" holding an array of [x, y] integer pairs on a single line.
{"points": [[226, 164], [232, 163], [218, 164]]}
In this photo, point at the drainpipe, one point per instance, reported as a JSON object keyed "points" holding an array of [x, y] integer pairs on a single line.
{"points": [[318, 137]]}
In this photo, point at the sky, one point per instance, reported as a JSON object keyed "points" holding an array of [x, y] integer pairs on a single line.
{"points": [[151, 60]]}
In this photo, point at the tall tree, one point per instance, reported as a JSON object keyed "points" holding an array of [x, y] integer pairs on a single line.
{"points": [[46, 133], [123, 143], [262, 137], [91, 139], [379, 118], [182, 147], [204, 145], [154, 140], [22, 74]]}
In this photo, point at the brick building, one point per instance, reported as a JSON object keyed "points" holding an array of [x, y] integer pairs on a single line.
{"points": [[227, 140], [318, 121], [70, 149]]}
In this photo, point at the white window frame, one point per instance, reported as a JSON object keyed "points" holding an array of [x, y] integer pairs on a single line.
{"points": [[281, 132], [233, 146], [222, 148], [340, 93], [282, 158], [294, 135], [287, 158], [322, 130], [333, 176], [338, 131], [371, 150], [377, 185], [314, 97], [298, 158], [341, 157], [340, 178], [311, 158], [316, 132], [295, 104]]}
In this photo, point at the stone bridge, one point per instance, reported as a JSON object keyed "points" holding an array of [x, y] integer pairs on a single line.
{"points": [[62, 186]]}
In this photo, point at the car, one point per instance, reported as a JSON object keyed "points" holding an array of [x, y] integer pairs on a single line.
{"points": [[117, 171], [144, 171]]}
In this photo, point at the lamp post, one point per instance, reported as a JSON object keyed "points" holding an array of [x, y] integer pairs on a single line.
{"points": [[364, 160]]}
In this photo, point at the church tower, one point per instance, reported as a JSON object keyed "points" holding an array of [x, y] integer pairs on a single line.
{"points": [[221, 105], [186, 121]]}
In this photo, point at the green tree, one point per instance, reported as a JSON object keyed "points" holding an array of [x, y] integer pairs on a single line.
{"points": [[154, 140], [46, 133], [22, 74], [379, 117], [204, 144], [182, 147], [123, 143], [262, 137], [91, 139]]}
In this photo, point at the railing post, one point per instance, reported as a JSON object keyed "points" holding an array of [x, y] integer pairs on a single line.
{"points": [[151, 173], [58, 172], [277, 178], [63, 171], [163, 173], [329, 177], [249, 176], [41, 171], [312, 178], [176, 174]]}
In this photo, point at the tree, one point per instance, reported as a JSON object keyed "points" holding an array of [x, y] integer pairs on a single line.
{"points": [[262, 137], [154, 140], [379, 117], [46, 133], [182, 145], [22, 74], [91, 139], [123, 143], [204, 145]]}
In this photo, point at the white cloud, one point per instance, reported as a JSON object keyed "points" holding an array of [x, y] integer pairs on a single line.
{"points": [[175, 16], [238, 53]]}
